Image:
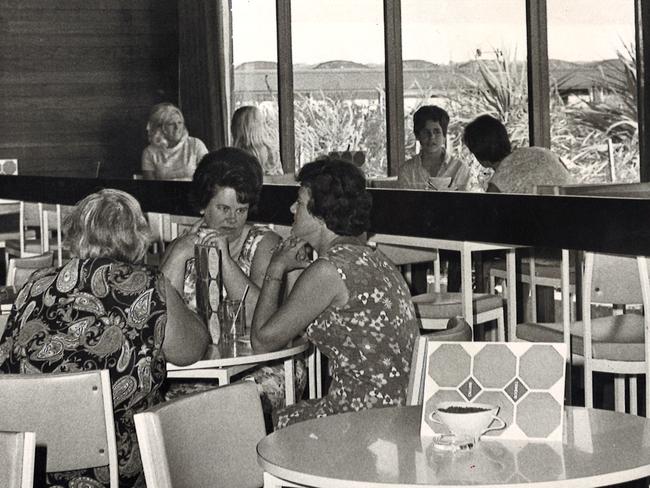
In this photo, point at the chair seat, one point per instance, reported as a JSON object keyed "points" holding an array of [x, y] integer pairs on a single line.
{"points": [[446, 305], [544, 268], [617, 338]]}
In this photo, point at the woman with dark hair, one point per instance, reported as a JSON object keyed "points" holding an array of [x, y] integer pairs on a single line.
{"points": [[351, 302], [515, 171], [104, 310], [225, 187], [422, 171]]}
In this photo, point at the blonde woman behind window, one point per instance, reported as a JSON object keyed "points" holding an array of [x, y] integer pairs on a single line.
{"points": [[249, 133]]}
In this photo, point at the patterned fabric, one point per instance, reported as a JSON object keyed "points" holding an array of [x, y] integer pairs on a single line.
{"points": [[413, 175], [245, 260], [174, 163], [94, 314], [269, 378], [529, 166], [368, 341]]}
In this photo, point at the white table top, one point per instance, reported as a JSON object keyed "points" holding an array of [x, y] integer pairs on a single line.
{"points": [[382, 447], [239, 353]]}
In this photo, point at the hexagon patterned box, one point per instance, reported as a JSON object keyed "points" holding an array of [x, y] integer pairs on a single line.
{"points": [[526, 380]]}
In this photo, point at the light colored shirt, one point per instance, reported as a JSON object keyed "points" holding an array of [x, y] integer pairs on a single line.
{"points": [[413, 174], [175, 163], [526, 167]]}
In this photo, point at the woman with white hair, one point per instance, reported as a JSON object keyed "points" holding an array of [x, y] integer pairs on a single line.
{"points": [[104, 310], [171, 154], [250, 134]]}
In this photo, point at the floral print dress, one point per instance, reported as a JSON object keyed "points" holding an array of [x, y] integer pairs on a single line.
{"points": [[269, 378], [368, 341], [94, 314]]}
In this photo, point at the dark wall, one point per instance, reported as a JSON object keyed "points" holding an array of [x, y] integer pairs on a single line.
{"points": [[77, 80], [603, 224]]}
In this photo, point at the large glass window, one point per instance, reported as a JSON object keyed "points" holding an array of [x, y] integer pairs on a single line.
{"points": [[593, 79], [255, 73], [469, 58], [338, 76]]}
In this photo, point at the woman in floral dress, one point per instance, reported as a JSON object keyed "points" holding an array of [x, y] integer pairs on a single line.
{"points": [[351, 302], [103, 310], [225, 187]]}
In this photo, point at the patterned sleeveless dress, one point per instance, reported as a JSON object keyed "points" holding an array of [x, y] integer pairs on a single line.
{"points": [[269, 378], [368, 341], [94, 314]]}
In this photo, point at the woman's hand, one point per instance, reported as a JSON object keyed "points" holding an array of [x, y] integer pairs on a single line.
{"points": [[216, 239], [292, 253]]}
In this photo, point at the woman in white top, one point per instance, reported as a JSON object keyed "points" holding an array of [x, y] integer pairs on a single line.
{"points": [[430, 124], [171, 154]]}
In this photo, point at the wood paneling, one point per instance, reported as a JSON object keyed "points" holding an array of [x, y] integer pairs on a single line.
{"points": [[78, 78]]}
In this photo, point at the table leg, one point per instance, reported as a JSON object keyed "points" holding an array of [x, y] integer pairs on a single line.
{"points": [[466, 285], [512, 293], [289, 380]]}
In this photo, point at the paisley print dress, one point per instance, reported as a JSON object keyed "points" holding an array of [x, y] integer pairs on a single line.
{"points": [[94, 314], [269, 378], [368, 341]]}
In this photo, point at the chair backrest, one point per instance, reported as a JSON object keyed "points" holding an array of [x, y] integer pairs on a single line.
{"points": [[20, 269], [457, 330], [30, 215], [53, 221], [17, 451], [203, 440], [613, 279], [71, 414]]}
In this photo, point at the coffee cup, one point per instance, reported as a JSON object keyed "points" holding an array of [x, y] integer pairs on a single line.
{"points": [[468, 420]]}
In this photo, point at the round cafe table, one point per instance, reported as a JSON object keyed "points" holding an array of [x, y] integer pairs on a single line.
{"points": [[223, 361], [382, 448]]}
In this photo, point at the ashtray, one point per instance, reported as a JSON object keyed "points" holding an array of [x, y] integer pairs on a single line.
{"points": [[452, 443]]}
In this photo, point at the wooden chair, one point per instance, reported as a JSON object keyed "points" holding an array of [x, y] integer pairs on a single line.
{"points": [[71, 414], [17, 451], [203, 440], [458, 330]]}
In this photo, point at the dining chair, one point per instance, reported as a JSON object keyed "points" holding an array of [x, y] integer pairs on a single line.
{"points": [[20, 269], [70, 413], [29, 241], [617, 343], [435, 309], [17, 451], [457, 330], [204, 439], [53, 224]]}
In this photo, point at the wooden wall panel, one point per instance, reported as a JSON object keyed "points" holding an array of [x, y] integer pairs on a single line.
{"points": [[77, 80]]}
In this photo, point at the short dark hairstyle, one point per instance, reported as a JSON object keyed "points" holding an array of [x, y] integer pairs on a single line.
{"points": [[338, 195], [227, 167], [433, 113], [487, 138]]}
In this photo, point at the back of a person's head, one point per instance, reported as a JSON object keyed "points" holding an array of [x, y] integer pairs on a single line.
{"points": [[228, 167], [109, 223], [338, 195], [249, 132], [487, 138], [432, 113]]}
